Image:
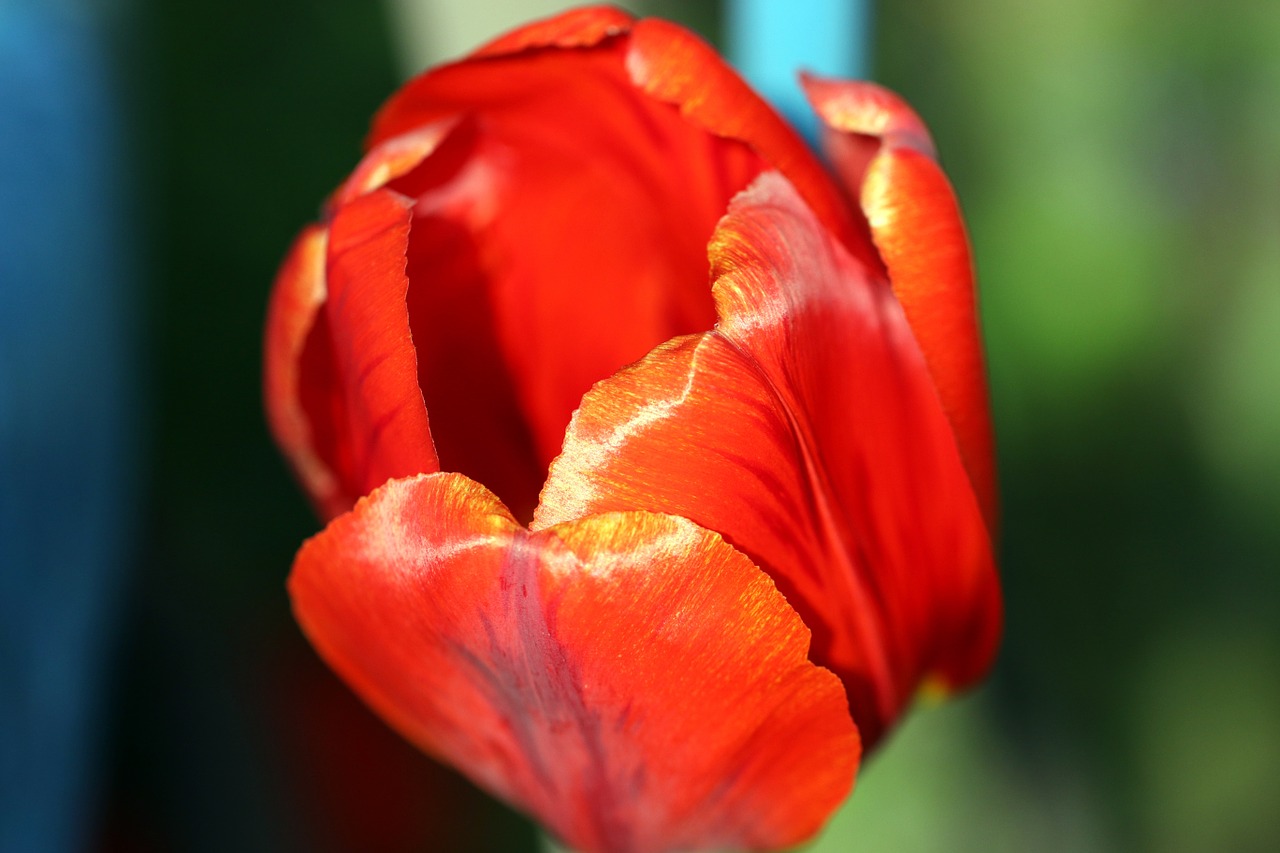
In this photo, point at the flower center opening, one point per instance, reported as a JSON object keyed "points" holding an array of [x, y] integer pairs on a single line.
{"points": [[559, 234]]}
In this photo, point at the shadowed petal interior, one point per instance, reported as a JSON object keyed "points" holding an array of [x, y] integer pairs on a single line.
{"points": [[559, 234]]}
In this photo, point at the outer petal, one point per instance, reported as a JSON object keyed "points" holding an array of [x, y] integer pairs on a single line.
{"points": [[839, 352], [418, 102], [316, 405], [575, 28], [630, 679], [371, 423], [673, 65], [296, 300], [807, 431], [883, 153]]}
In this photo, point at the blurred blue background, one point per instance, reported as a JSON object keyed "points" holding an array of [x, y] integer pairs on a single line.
{"points": [[1117, 163]]}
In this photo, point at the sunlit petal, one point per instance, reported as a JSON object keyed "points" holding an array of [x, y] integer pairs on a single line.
{"points": [[883, 153], [806, 430], [630, 679]]}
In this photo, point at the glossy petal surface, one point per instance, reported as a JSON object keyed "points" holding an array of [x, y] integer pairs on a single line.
{"points": [[673, 65], [583, 27], [360, 369], [630, 679], [297, 299], [807, 431], [883, 153]]}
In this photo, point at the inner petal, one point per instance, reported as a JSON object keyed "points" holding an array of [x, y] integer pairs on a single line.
{"points": [[560, 233]]}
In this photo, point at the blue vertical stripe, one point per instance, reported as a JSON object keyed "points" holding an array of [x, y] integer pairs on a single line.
{"points": [[770, 41], [67, 417]]}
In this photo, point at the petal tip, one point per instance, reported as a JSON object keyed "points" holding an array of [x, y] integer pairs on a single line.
{"points": [[856, 106], [582, 27]]}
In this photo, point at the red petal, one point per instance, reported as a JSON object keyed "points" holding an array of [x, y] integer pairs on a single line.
{"points": [[419, 101], [296, 300], [629, 679], [695, 430], [568, 218], [476, 419], [917, 227], [839, 351], [574, 28], [853, 106], [806, 431], [673, 65], [375, 417]]}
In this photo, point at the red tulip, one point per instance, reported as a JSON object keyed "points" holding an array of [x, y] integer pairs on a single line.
{"points": [[635, 544]]}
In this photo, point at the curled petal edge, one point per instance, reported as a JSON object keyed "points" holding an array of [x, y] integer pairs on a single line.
{"points": [[882, 152], [378, 418], [297, 297], [806, 429], [575, 28]]}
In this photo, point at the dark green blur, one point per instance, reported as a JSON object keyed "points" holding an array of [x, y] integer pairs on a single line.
{"points": [[1117, 163]]}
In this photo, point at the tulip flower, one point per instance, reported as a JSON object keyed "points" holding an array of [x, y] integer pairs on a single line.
{"points": [[655, 453]]}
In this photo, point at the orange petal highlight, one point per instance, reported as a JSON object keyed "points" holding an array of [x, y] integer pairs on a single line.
{"points": [[575, 28], [297, 298], [917, 227], [672, 64], [806, 430], [374, 417], [630, 679]]}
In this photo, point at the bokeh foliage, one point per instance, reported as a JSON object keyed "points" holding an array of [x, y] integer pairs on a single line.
{"points": [[1117, 164]]}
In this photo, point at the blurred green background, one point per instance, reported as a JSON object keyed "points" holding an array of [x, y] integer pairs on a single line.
{"points": [[1117, 161]]}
